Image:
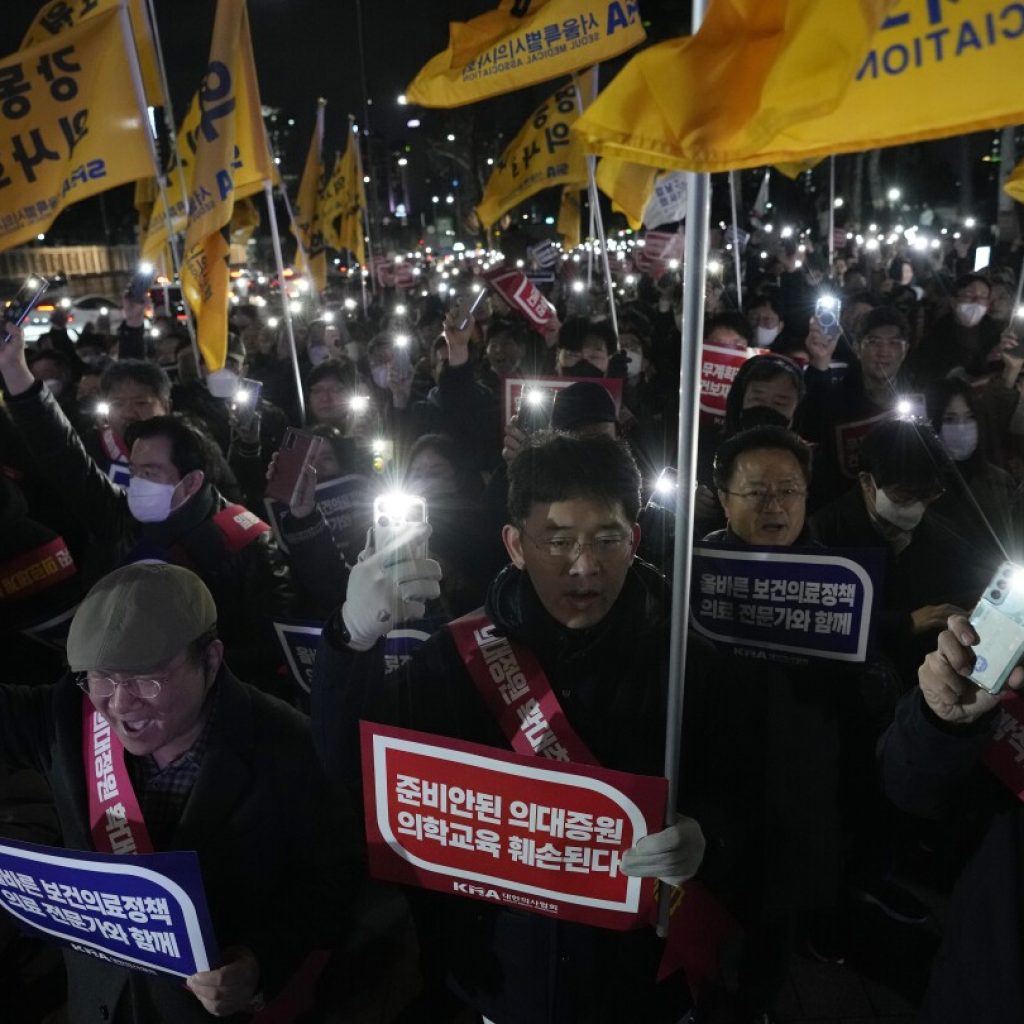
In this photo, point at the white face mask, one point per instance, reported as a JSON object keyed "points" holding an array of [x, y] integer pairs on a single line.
{"points": [[318, 354], [904, 517], [960, 439], [766, 335], [970, 313], [148, 501], [380, 375], [55, 385], [634, 363], [222, 383]]}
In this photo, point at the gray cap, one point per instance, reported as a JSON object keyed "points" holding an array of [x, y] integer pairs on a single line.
{"points": [[138, 617]]}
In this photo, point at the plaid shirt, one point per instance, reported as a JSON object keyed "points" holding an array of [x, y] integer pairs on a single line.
{"points": [[163, 792]]}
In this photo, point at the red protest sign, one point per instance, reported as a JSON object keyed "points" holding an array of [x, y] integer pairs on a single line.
{"points": [[548, 387], [523, 296], [1005, 754], [849, 438], [517, 831], [717, 371], [658, 249]]}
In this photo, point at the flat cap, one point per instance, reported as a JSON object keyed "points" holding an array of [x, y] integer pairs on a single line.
{"points": [[580, 403], [138, 618]]}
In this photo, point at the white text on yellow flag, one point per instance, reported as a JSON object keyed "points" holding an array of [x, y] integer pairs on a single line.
{"points": [[230, 111], [70, 126]]}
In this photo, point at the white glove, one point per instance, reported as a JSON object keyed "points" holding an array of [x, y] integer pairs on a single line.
{"points": [[388, 587], [673, 855]]}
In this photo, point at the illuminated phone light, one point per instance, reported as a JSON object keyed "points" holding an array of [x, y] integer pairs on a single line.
{"points": [[534, 398], [970, 222], [827, 302], [303, 284], [154, 332], [350, 304], [400, 310], [871, 244], [377, 446], [145, 268], [402, 340], [578, 286], [102, 408], [272, 322], [328, 317], [715, 266], [242, 396], [786, 232], [665, 485], [295, 306], [359, 403], [396, 505], [673, 264]]}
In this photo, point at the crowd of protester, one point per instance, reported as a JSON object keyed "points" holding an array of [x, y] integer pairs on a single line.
{"points": [[806, 790]]}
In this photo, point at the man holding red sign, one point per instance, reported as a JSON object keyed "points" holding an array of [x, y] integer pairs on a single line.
{"points": [[585, 625]]}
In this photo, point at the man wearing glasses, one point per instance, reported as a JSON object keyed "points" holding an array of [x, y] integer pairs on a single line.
{"points": [[596, 621], [215, 766]]}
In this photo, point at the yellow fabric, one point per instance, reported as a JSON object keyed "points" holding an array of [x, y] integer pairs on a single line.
{"points": [[310, 256], [522, 43], [628, 186], [569, 217], [60, 16], [744, 89], [57, 151], [245, 219], [231, 115], [544, 154], [1014, 185], [343, 202], [794, 170]]}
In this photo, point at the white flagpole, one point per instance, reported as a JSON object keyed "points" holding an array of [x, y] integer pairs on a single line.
{"points": [[268, 193], [366, 219], [595, 209], [831, 213], [736, 239], [140, 98], [698, 215]]}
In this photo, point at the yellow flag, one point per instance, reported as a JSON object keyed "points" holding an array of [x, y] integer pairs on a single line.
{"points": [[245, 219], [795, 169], [307, 226], [230, 112], [569, 218], [722, 98], [251, 165], [1014, 184], [61, 15], [524, 42], [343, 202], [628, 185], [71, 125], [544, 154]]}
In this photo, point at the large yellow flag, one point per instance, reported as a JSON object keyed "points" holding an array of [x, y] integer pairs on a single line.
{"points": [[60, 16], [230, 111], [544, 154], [1014, 184], [569, 217], [524, 42], [722, 98], [343, 203], [250, 167], [71, 125], [628, 185], [307, 227]]}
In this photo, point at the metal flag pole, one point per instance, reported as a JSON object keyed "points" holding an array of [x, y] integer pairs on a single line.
{"points": [[140, 98], [595, 208], [736, 240], [268, 193], [698, 216], [831, 213], [366, 217], [590, 242]]}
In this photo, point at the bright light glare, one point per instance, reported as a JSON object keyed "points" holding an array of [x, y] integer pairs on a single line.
{"points": [[396, 506], [401, 100], [970, 222], [400, 310], [402, 340], [894, 194], [272, 321], [350, 304], [534, 397], [665, 485], [242, 396], [578, 286], [359, 403], [102, 408], [65, 303], [714, 267], [328, 317], [294, 306]]}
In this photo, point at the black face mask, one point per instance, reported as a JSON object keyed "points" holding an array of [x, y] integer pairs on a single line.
{"points": [[760, 416]]}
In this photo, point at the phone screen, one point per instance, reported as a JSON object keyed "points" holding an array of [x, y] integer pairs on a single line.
{"points": [[16, 309]]}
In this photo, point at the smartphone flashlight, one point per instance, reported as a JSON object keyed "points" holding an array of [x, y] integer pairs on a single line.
{"points": [[402, 340], [359, 403], [350, 304], [400, 310], [666, 484], [328, 317], [242, 396], [102, 408], [534, 398], [272, 322]]}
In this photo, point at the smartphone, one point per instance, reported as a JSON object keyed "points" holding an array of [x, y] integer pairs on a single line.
{"points": [[998, 619], [666, 490], [17, 309], [142, 280], [912, 407], [827, 311], [533, 410], [298, 450], [246, 401], [392, 515]]}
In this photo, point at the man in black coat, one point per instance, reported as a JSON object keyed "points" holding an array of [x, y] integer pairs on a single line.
{"points": [[931, 762], [217, 767]]}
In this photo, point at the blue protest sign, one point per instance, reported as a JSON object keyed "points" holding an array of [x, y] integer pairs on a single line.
{"points": [[402, 643], [345, 503], [146, 912], [814, 602], [299, 641]]}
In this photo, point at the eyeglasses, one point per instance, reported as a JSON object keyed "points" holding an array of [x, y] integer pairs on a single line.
{"points": [[103, 687], [759, 497], [567, 549]]}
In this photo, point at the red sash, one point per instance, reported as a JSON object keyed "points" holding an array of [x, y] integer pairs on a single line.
{"points": [[115, 818], [113, 446], [36, 570], [1004, 756], [517, 692]]}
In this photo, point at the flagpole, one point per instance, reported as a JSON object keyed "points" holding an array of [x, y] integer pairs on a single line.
{"points": [[268, 193], [736, 240], [698, 216], [140, 99], [831, 213], [590, 241], [595, 210], [366, 218]]}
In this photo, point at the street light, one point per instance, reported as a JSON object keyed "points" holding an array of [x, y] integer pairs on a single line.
{"points": [[413, 122], [402, 161], [450, 137]]}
